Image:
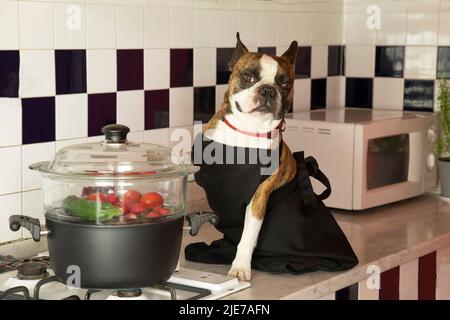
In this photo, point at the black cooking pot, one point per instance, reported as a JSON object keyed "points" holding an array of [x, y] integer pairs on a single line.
{"points": [[114, 212], [113, 256]]}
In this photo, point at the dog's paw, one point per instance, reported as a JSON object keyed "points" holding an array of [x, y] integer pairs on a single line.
{"points": [[242, 273]]}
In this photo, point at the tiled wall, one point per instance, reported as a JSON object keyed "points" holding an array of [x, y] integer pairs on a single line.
{"points": [[396, 66], [69, 67]]}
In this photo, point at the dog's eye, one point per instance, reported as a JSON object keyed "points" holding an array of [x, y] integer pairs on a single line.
{"points": [[248, 78], [286, 85]]}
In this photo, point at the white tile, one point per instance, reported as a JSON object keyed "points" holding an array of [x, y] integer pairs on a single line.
{"points": [[356, 31], [156, 27], [33, 206], [11, 128], [305, 28], [11, 204], [101, 71], [220, 93], [420, 62], [281, 49], [204, 67], [181, 28], [130, 109], [302, 95], [422, 28], [393, 29], [443, 273], [36, 25], [388, 93], [287, 28], [37, 73], [181, 107], [130, 27], [335, 92], [366, 293], [181, 140], [319, 61], [9, 25], [130, 2], [156, 69], [267, 28], [71, 116], [248, 27], [70, 25], [157, 136], [10, 170], [359, 61], [65, 143], [408, 282], [444, 29], [32, 153], [205, 24], [100, 27], [195, 192], [227, 26], [420, 6]]}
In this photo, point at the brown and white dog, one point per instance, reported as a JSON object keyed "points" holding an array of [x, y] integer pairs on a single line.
{"points": [[260, 93]]}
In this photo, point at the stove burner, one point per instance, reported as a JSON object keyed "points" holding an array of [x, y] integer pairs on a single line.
{"points": [[129, 293], [9, 263], [32, 270]]}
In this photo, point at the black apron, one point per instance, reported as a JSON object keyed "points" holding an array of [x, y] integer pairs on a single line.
{"points": [[298, 233]]}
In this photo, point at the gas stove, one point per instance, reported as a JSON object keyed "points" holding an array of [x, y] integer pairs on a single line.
{"points": [[23, 279]]}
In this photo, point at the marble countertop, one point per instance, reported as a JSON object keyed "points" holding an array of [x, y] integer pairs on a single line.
{"points": [[387, 236]]}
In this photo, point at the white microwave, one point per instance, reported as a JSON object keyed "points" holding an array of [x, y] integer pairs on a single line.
{"points": [[372, 157]]}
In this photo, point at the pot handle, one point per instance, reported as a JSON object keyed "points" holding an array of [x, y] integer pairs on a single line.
{"points": [[32, 224], [197, 219]]}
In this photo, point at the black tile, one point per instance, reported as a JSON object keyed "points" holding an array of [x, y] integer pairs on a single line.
{"points": [[130, 69], [336, 60], [389, 62], [443, 64], [347, 293], [268, 50], [359, 92], [70, 71], [223, 57], [101, 112], [156, 109], [419, 95], [318, 93], [303, 63], [181, 66], [38, 120], [9, 73], [204, 103]]}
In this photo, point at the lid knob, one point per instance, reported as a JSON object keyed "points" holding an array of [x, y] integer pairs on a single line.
{"points": [[115, 133]]}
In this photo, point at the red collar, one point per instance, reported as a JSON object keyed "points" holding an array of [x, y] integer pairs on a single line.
{"points": [[268, 135]]}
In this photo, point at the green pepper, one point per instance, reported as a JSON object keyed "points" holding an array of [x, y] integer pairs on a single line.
{"points": [[90, 210]]}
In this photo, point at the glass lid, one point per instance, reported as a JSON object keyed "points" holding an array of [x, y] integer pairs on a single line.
{"points": [[114, 157]]}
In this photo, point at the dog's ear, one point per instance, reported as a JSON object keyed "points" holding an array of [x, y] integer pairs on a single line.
{"points": [[240, 50], [291, 52]]}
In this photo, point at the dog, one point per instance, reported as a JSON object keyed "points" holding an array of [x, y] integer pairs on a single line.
{"points": [[259, 94]]}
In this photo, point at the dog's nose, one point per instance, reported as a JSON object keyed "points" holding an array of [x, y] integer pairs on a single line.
{"points": [[267, 91]]}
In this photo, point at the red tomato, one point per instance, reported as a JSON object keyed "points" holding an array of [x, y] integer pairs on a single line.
{"points": [[153, 214], [111, 198], [152, 199], [96, 197], [137, 208], [163, 211], [131, 196], [122, 207], [130, 216]]}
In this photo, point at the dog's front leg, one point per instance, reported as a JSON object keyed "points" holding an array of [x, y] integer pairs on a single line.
{"points": [[241, 266]]}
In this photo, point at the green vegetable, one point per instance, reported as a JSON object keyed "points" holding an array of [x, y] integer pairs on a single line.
{"points": [[90, 210]]}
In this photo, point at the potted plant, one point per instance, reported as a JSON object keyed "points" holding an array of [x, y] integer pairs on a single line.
{"points": [[443, 140]]}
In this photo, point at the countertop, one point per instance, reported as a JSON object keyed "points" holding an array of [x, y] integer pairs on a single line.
{"points": [[386, 236]]}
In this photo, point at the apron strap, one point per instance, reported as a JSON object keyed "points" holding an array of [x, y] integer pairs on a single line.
{"points": [[309, 168]]}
